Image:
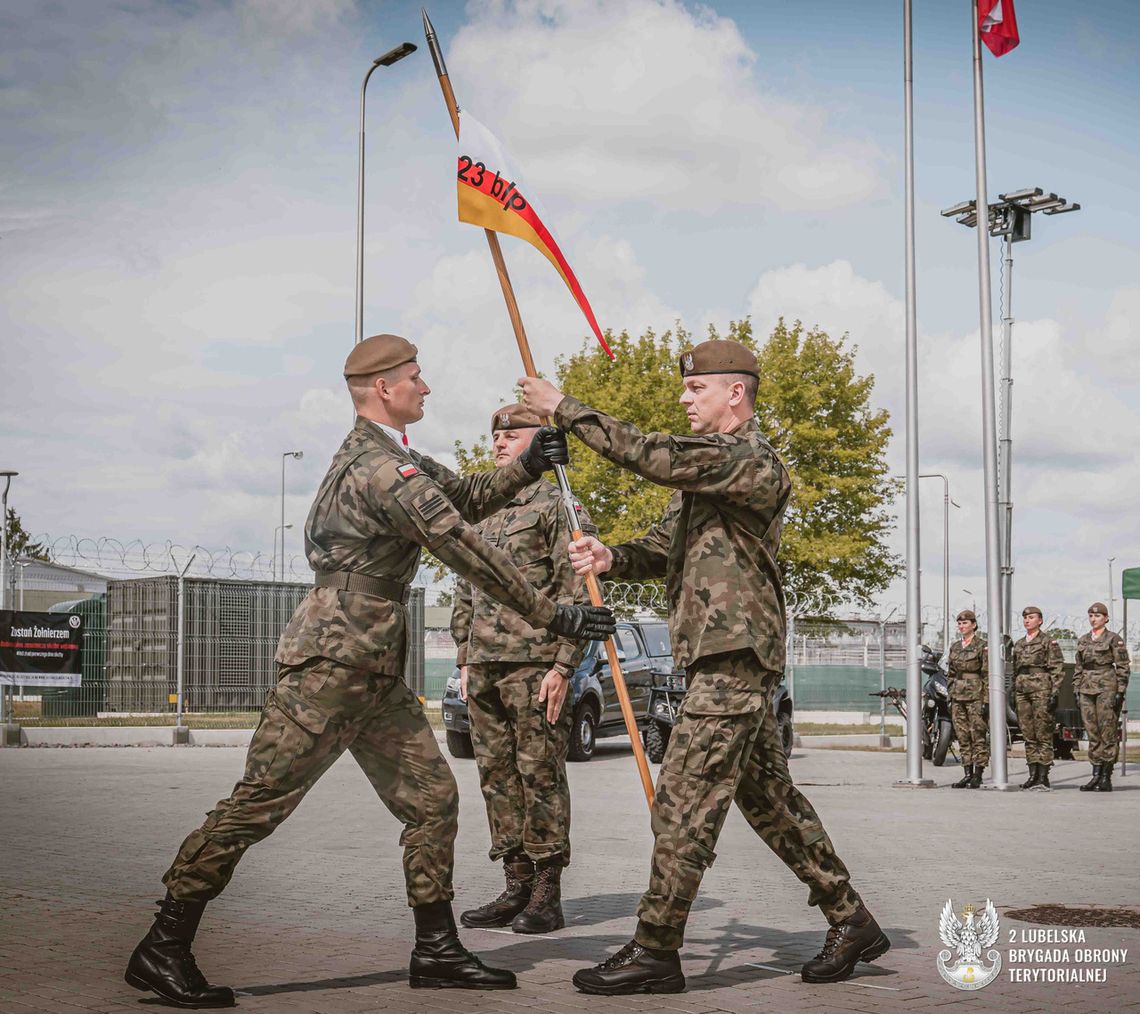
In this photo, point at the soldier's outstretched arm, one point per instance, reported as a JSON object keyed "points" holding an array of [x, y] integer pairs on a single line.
{"points": [[476, 496], [418, 509]]}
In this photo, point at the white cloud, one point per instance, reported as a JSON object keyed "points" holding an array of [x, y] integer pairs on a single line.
{"points": [[655, 101]]}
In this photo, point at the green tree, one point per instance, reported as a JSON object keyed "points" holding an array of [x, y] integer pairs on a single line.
{"points": [[813, 406], [20, 543]]}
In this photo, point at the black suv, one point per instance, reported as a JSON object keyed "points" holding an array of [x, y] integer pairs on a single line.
{"points": [[646, 661]]}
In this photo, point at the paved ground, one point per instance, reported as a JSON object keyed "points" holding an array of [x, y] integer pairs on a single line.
{"points": [[315, 919]]}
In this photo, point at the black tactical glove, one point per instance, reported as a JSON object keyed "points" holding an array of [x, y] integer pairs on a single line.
{"points": [[1054, 700], [1118, 704], [985, 712], [547, 449], [583, 623]]}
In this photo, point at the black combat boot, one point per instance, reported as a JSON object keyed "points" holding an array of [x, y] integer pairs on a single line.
{"points": [[1034, 778], [163, 963], [544, 912], [634, 969], [1093, 782], [967, 775], [519, 871], [1104, 783], [976, 777], [857, 939], [1043, 778], [440, 961]]}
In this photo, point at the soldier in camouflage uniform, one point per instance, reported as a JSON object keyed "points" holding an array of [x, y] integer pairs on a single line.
{"points": [[1100, 681], [968, 684], [1038, 668], [341, 668], [515, 678], [716, 547]]}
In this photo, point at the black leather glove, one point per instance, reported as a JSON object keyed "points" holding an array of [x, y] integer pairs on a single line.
{"points": [[547, 449], [1118, 704], [583, 623], [985, 712], [1054, 700]]}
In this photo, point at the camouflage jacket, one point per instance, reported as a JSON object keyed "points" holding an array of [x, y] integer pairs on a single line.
{"points": [[1102, 664], [532, 531], [1038, 666], [376, 507], [968, 670], [717, 541]]}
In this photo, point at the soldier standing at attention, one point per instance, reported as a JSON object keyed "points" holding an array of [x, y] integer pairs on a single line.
{"points": [[341, 675], [716, 546], [1038, 668], [515, 678], [968, 683], [1100, 680]]}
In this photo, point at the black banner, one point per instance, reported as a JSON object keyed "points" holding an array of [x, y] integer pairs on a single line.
{"points": [[40, 649]]}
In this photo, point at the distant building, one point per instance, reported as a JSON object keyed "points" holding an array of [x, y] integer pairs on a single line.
{"points": [[37, 584]]}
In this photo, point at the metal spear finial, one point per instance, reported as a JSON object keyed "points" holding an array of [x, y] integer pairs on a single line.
{"points": [[433, 45]]}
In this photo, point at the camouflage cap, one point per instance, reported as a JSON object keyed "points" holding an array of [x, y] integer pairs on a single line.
{"points": [[720, 355], [968, 614], [1032, 609], [514, 417], [378, 353], [1099, 607]]}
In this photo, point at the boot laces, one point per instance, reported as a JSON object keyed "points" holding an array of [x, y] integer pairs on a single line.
{"points": [[835, 937], [543, 886], [627, 954]]}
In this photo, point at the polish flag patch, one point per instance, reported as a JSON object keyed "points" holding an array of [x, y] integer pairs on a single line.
{"points": [[407, 471]]}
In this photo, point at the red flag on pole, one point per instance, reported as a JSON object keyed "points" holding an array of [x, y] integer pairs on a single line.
{"points": [[998, 25]]}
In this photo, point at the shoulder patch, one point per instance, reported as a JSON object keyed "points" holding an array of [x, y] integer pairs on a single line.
{"points": [[427, 507], [407, 471]]}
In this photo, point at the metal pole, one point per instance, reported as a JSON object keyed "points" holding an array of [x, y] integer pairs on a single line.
{"points": [[882, 682], [359, 220], [1111, 599], [180, 659], [4, 542], [913, 593], [790, 665], [281, 564], [998, 745], [1005, 452]]}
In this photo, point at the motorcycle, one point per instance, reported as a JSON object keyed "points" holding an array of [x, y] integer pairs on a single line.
{"points": [[937, 729]]}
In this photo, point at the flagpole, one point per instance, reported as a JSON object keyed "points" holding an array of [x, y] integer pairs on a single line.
{"points": [[997, 697], [569, 503], [913, 559]]}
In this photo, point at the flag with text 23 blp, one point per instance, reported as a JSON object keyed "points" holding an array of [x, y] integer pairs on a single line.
{"points": [[998, 25], [491, 195]]}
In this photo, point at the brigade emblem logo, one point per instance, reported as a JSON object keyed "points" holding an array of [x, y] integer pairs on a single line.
{"points": [[504, 419], [969, 937], [687, 361], [74, 621]]}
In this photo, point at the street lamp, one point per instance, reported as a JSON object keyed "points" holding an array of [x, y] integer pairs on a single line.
{"points": [[389, 58], [1111, 599], [7, 476], [1010, 217], [297, 455], [973, 602]]}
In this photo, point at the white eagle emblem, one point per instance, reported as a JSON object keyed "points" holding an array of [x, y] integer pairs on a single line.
{"points": [[504, 419], [687, 361], [969, 938]]}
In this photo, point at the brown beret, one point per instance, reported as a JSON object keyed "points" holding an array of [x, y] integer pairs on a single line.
{"points": [[720, 355], [1032, 609], [1099, 607], [968, 614], [514, 417], [378, 353]]}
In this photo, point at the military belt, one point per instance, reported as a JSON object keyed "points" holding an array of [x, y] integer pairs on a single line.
{"points": [[347, 580]]}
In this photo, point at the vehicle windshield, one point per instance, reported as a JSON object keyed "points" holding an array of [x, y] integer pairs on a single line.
{"points": [[657, 640]]}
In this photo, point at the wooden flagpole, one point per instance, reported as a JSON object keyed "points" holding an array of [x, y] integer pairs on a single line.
{"points": [[568, 502]]}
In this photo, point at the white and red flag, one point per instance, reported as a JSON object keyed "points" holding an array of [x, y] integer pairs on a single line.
{"points": [[492, 195], [998, 25]]}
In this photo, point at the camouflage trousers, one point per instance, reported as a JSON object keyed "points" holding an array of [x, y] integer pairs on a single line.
{"points": [[521, 760], [726, 747], [1102, 725], [316, 712], [1036, 721], [972, 732]]}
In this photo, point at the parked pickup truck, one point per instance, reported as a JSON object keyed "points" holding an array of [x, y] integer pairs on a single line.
{"points": [[646, 660]]}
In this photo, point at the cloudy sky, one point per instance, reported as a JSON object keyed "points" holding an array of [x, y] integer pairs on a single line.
{"points": [[177, 214]]}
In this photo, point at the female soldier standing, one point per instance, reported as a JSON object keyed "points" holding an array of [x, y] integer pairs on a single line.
{"points": [[968, 680]]}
